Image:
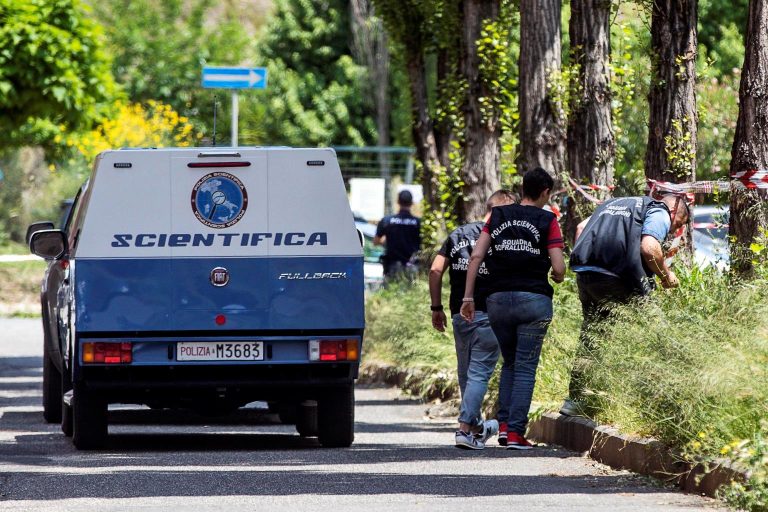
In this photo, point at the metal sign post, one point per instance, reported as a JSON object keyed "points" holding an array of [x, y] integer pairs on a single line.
{"points": [[234, 79], [235, 114]]}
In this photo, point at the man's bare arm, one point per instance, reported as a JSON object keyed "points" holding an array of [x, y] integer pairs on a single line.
{"points": [[439, 266], [653, 256], [580, 227], [558, 264]]}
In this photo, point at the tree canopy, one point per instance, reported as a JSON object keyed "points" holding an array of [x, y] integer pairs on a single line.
{"points": [[315, 87], [53, 69]]}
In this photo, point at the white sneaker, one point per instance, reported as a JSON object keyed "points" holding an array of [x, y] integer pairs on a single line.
{"points": [[490, 429], [468, 441]]}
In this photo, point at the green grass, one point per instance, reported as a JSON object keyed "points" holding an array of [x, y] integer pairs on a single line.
{"points": [[399, 332], [21, 287], [10, 247], [687, 366]]}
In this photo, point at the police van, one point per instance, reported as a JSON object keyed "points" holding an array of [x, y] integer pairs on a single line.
{"points": [[205, 279]]}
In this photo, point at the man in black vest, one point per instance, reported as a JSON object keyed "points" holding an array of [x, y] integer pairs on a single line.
{"points": [[527, 244], [615, 258], [401, 235], [469, 336]]}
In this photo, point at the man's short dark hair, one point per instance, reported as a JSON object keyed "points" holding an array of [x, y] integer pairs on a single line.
{"points": [[498, 198], [535, 182], [405, 198]]}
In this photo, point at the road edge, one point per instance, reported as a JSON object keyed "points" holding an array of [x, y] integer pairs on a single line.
{"points": [[604, 444]]}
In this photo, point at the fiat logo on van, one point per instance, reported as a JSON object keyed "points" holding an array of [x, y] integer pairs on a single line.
{"points": [[219, 276]]}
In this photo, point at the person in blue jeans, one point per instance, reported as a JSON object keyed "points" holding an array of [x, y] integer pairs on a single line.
{"points": [[525, 243], [475, 341]]}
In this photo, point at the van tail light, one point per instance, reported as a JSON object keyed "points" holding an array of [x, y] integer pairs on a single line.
{"points": [[334, 350], [107, 352]]}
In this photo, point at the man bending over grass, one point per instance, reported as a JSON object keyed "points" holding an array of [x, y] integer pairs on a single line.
{"points": [[615, 258], [474, 340]]}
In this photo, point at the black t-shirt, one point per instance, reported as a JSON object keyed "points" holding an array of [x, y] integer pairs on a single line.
{"points": [[520, 238], [403, 237], [457, 248]]}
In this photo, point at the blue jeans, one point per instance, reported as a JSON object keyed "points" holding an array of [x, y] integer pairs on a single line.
{"points": [[477, 352], [520, 321], [462, 359], [506, 378]]}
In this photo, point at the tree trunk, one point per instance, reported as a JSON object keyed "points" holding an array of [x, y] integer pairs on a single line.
{"points": [[671, 151], [591, 142], [750, 145], [423, 132], [370, 46], [542, 123], [482, 149]]}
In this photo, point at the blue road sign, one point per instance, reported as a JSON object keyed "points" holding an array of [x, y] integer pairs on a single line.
{"points": [[234, 78]]}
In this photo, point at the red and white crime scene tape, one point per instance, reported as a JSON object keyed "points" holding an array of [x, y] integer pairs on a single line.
{"points": [[751, 179], [582, 189]]}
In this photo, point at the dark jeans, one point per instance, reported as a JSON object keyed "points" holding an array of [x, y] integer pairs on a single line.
{"points": [[597, 292], [520, 321]]}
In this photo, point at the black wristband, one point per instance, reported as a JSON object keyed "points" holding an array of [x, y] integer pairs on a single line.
{"points": [[439, 307]]}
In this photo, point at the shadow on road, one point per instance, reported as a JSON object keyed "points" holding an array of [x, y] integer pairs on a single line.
{"points": [[22, 366], [220, 482]]}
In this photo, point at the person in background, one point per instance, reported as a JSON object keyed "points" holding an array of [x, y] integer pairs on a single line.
{"points": [[401, 236], [617, 252], [475, 341], [526, 243]]}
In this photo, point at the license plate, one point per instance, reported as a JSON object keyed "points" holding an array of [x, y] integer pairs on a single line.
{"points": [[220, 351]]}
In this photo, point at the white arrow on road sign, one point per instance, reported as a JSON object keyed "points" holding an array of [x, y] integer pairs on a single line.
{"points": [[234, 78]]}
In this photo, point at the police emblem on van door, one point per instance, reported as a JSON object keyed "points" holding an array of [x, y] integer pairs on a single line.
{"points": [[219, 276], [219, 200]]}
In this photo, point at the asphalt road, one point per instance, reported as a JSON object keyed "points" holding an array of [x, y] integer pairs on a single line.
{"points": [[400, 460]]}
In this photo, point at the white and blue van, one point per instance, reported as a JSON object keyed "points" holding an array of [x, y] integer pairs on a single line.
{"points": [[205, 279]]}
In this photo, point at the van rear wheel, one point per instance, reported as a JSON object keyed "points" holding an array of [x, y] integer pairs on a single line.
{"points": [[89, 419], [336, 417]]}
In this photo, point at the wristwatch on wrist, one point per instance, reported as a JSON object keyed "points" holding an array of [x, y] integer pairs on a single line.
{"points": [[439, 307]]}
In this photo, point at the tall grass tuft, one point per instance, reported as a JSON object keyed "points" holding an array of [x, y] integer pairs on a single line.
{"points": [[399, 331], [687, 365]]}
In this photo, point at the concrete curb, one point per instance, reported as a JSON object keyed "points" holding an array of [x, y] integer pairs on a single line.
{"points": [[604, 444], [639, 455]]}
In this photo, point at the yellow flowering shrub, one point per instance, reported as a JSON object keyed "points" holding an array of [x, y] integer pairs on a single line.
{"points": [[154, 124]]}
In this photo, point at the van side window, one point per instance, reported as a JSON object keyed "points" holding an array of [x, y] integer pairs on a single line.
{"points": [[75, 218]]}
